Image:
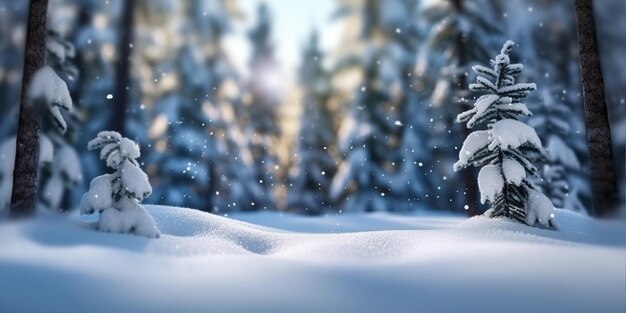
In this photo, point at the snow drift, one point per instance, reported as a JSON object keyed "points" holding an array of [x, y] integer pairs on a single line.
{"points": [[208, 263]]}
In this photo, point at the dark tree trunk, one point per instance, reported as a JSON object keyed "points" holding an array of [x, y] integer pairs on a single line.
{"points": [[24, 194], [602, 166], [213, 188], [469, 179], [122, 70]]}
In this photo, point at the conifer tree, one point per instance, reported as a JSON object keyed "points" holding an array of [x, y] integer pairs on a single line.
{"points": [[311, 177], [262, 113], [461, 32], [117, 196], [387, 104], [504, 150], [59, 178], [362, 176], [561, 177]]}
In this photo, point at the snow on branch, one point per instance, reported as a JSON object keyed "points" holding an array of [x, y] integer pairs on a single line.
{"points": [[117, 196], [49, 88]]}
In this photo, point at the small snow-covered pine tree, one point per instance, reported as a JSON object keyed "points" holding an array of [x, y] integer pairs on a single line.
{"points": [[117, 196], [505, 148]]}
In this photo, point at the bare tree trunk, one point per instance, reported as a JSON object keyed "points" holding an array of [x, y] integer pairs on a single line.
{"points": [[24, 194], [602, 166], [122, 70], [469, 179]]}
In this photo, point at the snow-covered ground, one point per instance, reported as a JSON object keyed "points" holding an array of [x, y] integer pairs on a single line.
{"points": [[283, 263]]}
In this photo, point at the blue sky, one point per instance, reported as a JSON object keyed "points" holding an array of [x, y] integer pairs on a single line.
{"points": [[293, 22]]}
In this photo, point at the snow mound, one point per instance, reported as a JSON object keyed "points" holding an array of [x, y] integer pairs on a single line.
{"points": [[205, 262]]}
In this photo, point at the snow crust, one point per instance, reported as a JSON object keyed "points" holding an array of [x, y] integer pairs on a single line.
{"points": [[208, 263]]}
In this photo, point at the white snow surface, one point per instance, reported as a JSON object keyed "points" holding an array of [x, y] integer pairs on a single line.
{"points": [[209, 263]]}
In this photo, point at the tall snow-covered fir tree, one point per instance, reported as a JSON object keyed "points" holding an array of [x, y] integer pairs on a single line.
{"points": [[183, 147], [461, 32], [314, 168], [362, 176], [504, 150], [390, 38], [94, 37], [233, 170], [379, 170], [261, 122], [27, 148], [548, 42], [561, 176], [412, 178], [200, 160]]}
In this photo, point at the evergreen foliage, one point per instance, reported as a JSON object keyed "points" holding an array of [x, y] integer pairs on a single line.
{"points": [[59, 179], [504, 150], [117, 196], [312, 174], [261, 123], [459, 33]]}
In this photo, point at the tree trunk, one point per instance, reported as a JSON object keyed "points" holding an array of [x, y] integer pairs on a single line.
{"points": [[469, 179], [122, 70], [602, 166], [24, 194]]}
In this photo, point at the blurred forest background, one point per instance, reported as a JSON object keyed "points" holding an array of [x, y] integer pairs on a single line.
{"points": [[320, 107]]}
